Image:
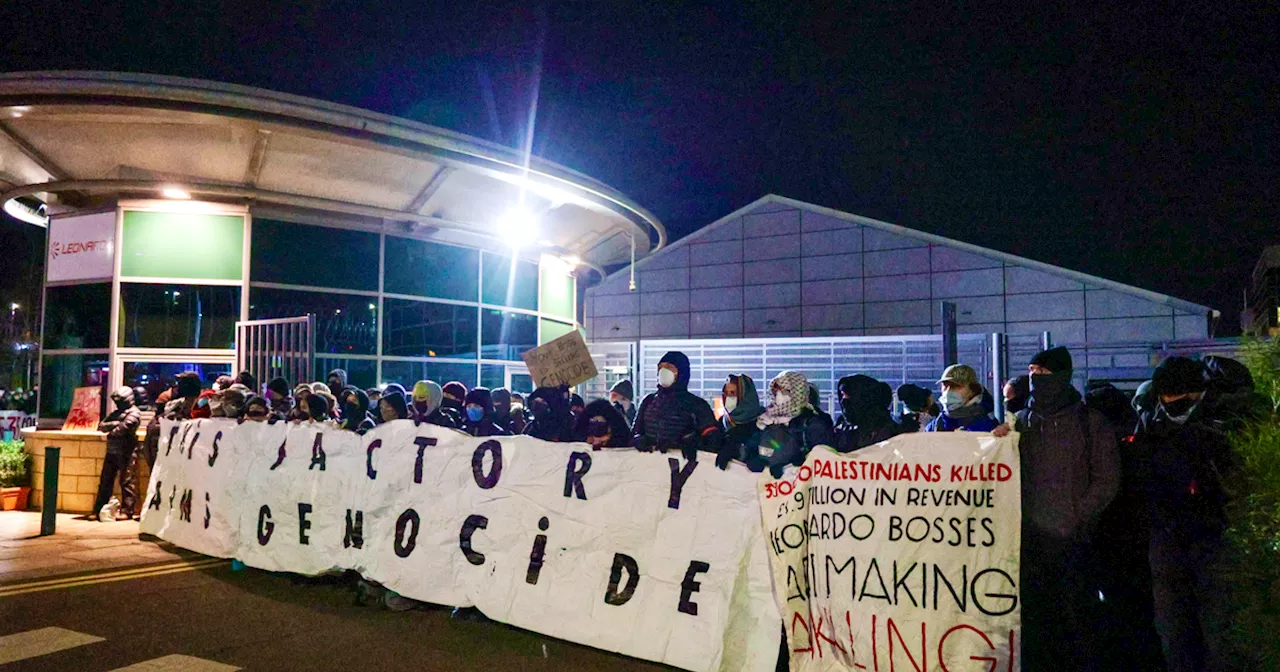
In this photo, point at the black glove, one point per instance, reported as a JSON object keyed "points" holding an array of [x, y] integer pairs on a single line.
{"points": [[776, 470], [724, 457], [690, 452], [644, 444]]}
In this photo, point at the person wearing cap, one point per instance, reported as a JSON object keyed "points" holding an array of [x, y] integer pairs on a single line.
{"points": [[1070, 473], [121, 428], [961, 402], [920, 406], [674, 417], [865, 419], [621, 396], [1184, 433]]}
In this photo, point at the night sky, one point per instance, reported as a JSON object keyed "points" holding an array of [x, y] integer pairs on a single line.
{"points": [[1140, 143]]}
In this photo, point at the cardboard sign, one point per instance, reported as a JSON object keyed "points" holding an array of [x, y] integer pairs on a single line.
{"points": [[900, 556], [81, 247], [86, 410], [564, 361]]}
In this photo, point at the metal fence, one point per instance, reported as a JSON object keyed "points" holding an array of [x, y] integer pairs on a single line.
{"points": [[283, 347]]}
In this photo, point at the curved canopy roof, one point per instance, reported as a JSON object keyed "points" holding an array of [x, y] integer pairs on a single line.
{"points": [[71, 136]]}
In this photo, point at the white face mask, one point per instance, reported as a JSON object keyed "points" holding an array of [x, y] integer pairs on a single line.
{"points": [[666, 377], [951, 400], [781, 399], [730, 403]]}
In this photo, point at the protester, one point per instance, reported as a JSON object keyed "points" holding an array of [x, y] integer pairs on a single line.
{"points": [[248, 380], [866, 419], [604, 426], [336, 382], [815, 402], [141, 401], [1016, 391], [479, 420], [232, 401], [920, 408], [551, 421], [961, 402], [1185, 434], [454, 393], [426, 406], [519, 413], [204, 404], [374, 395], [790, 428], [392, 406], [1070, 473], [278, 396], [316, 406], [501, 399], [621, 396], [738, 424], [673, 417], [183, 395], [222, 382], [1144, 399], [355, 411], [576, 405], [258, 409], [121, 428]]}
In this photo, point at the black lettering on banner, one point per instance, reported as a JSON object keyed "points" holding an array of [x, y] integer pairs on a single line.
{"points": [[423, 442], [213, 457], [279, 456], [354, 536], [579, 465], [1012, 597], [688, 587], [184, 505], [622, 561], [303, 524], [539, 548], [404, 543], [487, 481], [155, 497], [191, 447], [265, 526], [207, 513], [368, 459], [173, 494], [172, 433], [317, 452], [469, 526], [679, 477]]}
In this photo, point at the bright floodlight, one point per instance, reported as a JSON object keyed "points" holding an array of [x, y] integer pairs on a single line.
{"points": [[573, 260], [518, 227], [175, 193]]}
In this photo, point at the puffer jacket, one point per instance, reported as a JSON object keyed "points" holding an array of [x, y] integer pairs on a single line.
{"points": [[673, 417], [1070, 468]]}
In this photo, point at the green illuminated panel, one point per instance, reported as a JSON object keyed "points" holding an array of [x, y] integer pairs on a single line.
{"points": [[556, 293], [551, 330], [182, 245]]}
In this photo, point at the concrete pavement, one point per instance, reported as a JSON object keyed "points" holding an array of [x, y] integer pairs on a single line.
{"points": [[78, 546]]}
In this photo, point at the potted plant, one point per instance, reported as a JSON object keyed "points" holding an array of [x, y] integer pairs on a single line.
{"points": [[15, 476]]}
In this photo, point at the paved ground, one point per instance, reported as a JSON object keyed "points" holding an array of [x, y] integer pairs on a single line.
{"points": [[78, 546], [194, 614]]}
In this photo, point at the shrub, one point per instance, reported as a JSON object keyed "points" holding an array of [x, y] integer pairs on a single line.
{"points": [[15, 465]]}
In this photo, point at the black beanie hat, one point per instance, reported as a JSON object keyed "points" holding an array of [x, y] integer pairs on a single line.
{"points": [[188, 384], [1057, 360], [913, 397], [1178, 375], [623, 389], [280, 386]]}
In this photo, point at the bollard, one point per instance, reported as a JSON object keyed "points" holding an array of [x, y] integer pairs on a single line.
{"points": [[49, 510]]}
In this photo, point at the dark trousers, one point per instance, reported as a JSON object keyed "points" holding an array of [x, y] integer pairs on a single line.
{"points": [[1059, 603], [123, 466], [1127, 631], [1182, 574]]}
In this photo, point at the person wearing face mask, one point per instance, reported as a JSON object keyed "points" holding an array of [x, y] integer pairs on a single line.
{"points": [[1016, 391], [1070, 474], [920, 407], [620, 395], [121, 428], [790, 427], [673, 417], [741, 436], [336, 382], [479, 419], [519, 413], [603, 426], [426, 406], [1191, 463], [454, 393], [258, 409], [962, 404], [392, 407], [501, 398], [551, 421], [355, 411], [866, 418]]}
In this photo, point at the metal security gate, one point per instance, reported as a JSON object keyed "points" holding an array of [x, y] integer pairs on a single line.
{"points": [[282, 348]]}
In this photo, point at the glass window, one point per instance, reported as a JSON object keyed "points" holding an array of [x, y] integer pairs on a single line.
{"points": [[430, 269], [182, 245], [363, 373], [426, 329], [345, 323], [556, 291], [77, 316], [157, 377], [60, 375], [408, 373], [493, 376], [504, 335], [505, 284], [551, 330], [178, 316], [333, 257]]}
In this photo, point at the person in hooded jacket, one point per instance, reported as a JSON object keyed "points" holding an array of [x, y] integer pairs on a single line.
{"points": [[425, 406], [121, 428], [866, 419], [551, 421], [355, 411], [479, 420], [1017, 392], [392, 406], [336, 381], [673, 417], [1070, 474], [621, 396], [964, 402], [233, 401], [920, 407], [815, 402], [501, 398], [519, 413], [454, 393], [790, 428], [316, 406], [279, 397], [603, 426], [576, 405], [738, 423]]}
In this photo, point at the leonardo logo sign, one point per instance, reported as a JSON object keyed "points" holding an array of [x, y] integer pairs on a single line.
{"points": [[81, 247]]}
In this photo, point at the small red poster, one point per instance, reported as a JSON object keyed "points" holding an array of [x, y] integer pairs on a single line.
{"points": [[86, 410]]}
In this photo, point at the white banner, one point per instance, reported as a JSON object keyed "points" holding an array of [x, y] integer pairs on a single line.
{"points": [[81, 247], [641, 554], [901, 556]]}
